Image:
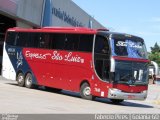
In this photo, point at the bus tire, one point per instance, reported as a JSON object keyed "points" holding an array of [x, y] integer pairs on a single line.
{"points": [[116, 101], [85, 91], [29, 81], [20, 79]]}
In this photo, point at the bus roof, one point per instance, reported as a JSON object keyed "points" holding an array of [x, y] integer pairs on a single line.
{"points": [[76, 30]]}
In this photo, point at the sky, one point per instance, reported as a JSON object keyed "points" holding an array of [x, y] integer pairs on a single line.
{"points": [[136, 17]]}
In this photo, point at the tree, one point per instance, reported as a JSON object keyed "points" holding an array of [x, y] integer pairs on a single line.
{"points": [[156, 48], [155, 54]]}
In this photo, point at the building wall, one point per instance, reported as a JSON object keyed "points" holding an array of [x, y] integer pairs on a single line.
{"points": [[67, 13], [36, 13], [30, 10], [22, 24]]}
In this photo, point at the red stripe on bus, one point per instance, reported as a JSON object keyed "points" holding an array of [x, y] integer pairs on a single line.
{"points": [[130, 59]]}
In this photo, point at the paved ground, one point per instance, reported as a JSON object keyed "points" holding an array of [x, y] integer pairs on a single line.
{"points": [[15, 99]]}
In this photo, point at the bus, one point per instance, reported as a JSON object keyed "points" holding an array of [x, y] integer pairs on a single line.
{"points": [[92, 62]]}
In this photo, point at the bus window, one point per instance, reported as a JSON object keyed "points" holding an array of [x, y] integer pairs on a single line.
{"points": [[10, 38], [101, 45], [120, 50], [99, 67], [21, 39], [86, 43], [102, 58], [71, 42], [102, 68], [45, 41], [34, 40], [41, 42], [58, 41]]}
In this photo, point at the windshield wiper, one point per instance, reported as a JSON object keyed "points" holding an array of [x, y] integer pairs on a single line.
{"points": [[130, 79], [125, 76]]}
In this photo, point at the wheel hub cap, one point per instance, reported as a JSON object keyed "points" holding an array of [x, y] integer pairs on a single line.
{"points": [[20, 79], [87, 91]]}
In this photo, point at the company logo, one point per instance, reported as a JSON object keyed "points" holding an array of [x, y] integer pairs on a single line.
{"points": [[19, 59], [130, 44], [55, 56], [11, 51]]}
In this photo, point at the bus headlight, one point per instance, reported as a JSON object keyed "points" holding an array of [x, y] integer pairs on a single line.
{"points": [[145, 91], [115, 90]]}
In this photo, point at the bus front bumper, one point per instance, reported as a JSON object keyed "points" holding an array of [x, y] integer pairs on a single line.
{"points": [[118, 94]]}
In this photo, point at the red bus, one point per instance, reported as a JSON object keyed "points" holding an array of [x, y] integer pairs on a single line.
{"points": [[95, 63]]}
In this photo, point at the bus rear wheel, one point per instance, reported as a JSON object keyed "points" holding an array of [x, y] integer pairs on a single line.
{"points": [[20, 79], [85, 91], [29, 81]]}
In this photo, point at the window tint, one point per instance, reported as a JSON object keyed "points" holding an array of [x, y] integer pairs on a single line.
{"points": [[102, 58], [58, 41], [10, 38], [45, 41], [86, 43], [71, 42], [34, 40], [101, 45], [21, 39]]}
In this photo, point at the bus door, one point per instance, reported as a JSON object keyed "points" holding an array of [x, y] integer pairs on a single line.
{"points": [[101, 63]]}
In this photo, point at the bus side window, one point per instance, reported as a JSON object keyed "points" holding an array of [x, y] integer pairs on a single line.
{"points": [[71, 42], [101, 45], [58, 41], [21, 39], [86, 43], [45, 41], [10, 39], [41, 41], [34, 40]]}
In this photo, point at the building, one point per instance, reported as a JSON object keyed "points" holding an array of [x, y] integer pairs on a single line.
{"points": [[30, 13], [39, 13]]}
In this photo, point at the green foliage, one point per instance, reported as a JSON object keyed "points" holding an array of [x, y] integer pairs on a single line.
{"points": [[156, 48], [155, 54]]}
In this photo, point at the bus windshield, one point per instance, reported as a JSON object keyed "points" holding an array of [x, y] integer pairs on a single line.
{"points": [[129, 72], [128, 47]]}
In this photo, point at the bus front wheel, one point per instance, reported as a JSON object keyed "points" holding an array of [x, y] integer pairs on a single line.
{"points": [[85, 91], [20, 79], [29, 81]]}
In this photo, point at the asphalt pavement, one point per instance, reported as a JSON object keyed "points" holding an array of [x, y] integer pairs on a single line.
{"points": [[21, 100]]}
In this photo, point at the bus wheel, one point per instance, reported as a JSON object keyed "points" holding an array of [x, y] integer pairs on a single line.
{"points": [[116, 101], [29, 81], [20, 79], [85, 91]]}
